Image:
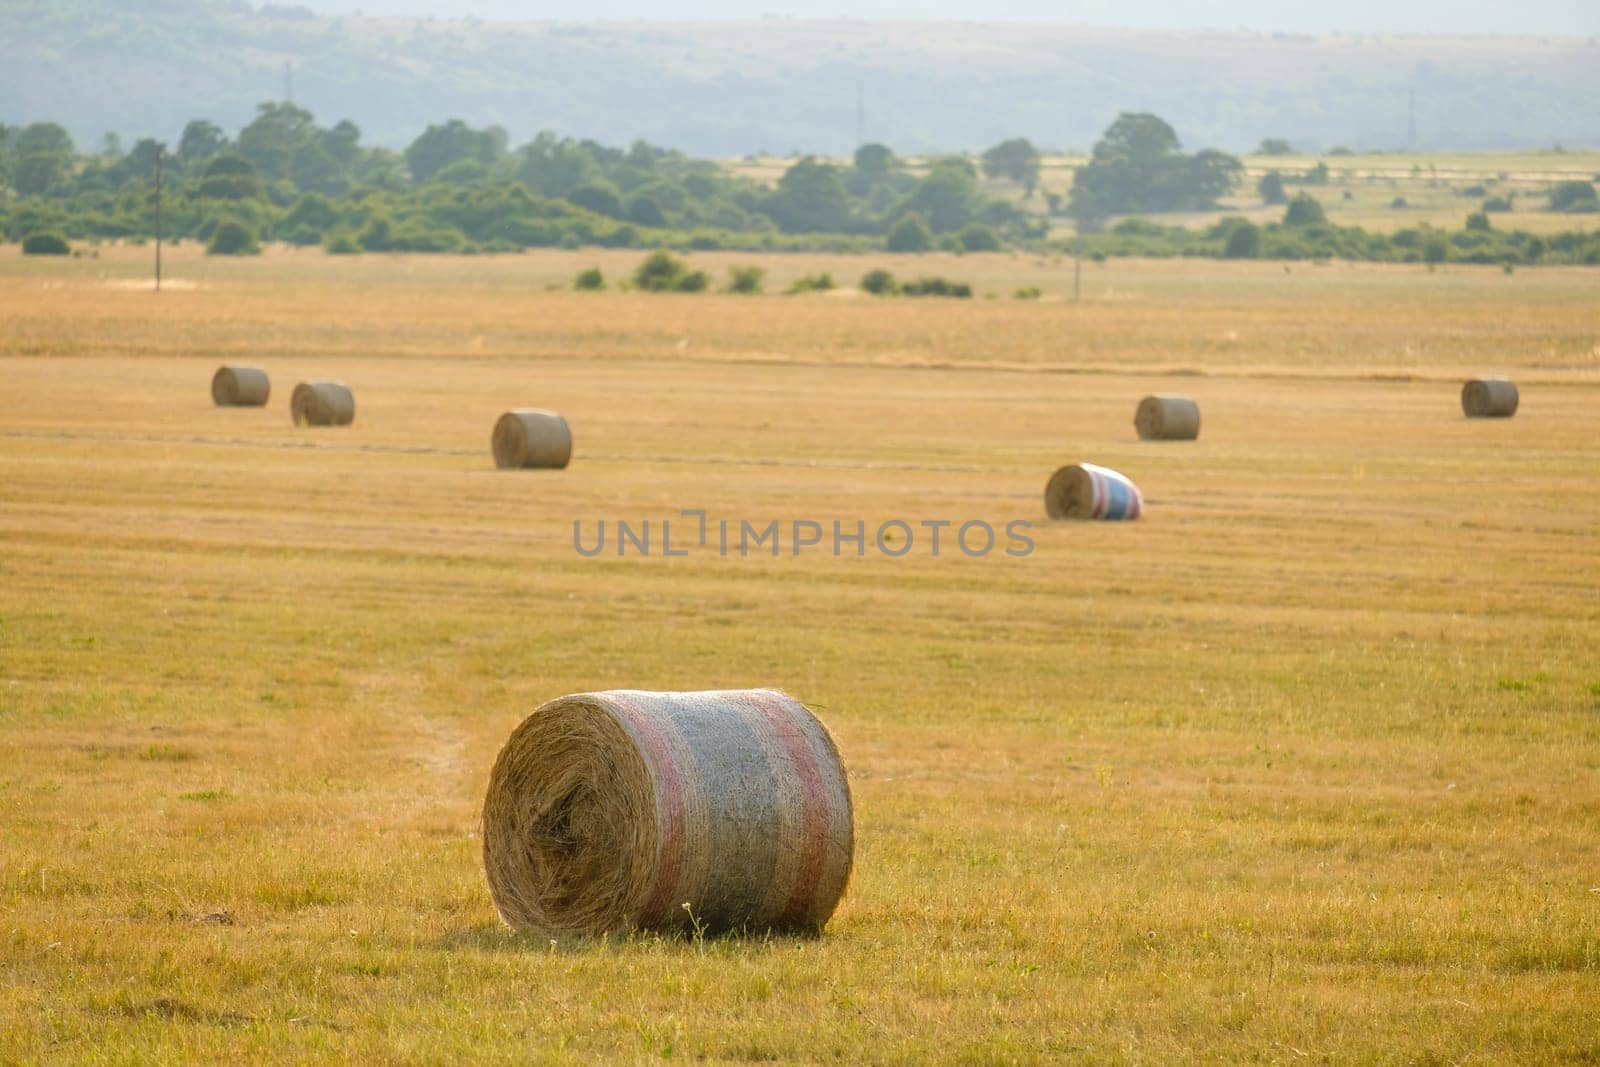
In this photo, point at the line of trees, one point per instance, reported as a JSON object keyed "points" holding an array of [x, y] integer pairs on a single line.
{"points": [[457, 188]]}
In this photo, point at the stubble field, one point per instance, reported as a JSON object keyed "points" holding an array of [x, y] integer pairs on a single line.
{"points": [[1303, 765]]}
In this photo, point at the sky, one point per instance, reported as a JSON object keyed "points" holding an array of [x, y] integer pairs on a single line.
{"points": [[1579, 17]]}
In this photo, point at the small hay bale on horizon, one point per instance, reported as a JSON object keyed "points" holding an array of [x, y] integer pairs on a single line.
{"points": [[1167, 418], [322, 404], [1489, 398], [526, 438], [241, 387], [1086, 491], [702, 812]]}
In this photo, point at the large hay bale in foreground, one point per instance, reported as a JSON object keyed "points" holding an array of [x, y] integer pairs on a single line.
{"points": [[1085, 491], [1489, 398], [1167, 418], [322, 404], [607, 812], [531, 437], [240, 387]]}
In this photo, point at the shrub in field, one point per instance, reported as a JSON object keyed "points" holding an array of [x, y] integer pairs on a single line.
{"points": [[1436, 250], [1304, 211], [662, 272], [1478, 221], [590, 280], [340, 244], [745, 279], [910, 234], [936, 286], [879, 283], [979, 238], [233, 238], [812, 283], [1577, 196], [1027, 292], [1244, 241], [45, 244], [1271, 189], [1496, 204]]}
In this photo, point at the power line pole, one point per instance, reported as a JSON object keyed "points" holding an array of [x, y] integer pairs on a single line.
{"points": [[159, 153], [1411, 120], [288, 82]]}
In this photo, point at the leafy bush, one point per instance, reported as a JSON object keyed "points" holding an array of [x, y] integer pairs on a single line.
{"points": [[935, 286], [233, 238], [1497, 204], [340, 244], [979, 238], [1478, 221], [590, 280], [1271, 188], [1399, 202], [1027, 292], [1244, 241], [1304, 211], [910, 234], [661, 272], [1576, 196], [879, 283], [745, 279], [45, 244], [812, 283]]}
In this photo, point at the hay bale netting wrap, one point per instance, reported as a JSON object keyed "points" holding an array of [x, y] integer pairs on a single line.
{"points": [[1167, 418], [322, 404], [240, 387], [1085, 491], [1489, 398], [531, 437], [608, 812]]}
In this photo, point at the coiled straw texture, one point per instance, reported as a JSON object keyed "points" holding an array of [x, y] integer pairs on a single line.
{"points": [[626, 810], [1085, 491], [1167, 418], [322, 404], [530, 437], [240, 387], [1489, 398]]}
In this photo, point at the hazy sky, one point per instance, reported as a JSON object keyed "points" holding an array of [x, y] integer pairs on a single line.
{"points": [[1395, 16]]}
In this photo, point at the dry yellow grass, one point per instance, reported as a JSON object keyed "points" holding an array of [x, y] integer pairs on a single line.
{"points": [[1304, 764]]}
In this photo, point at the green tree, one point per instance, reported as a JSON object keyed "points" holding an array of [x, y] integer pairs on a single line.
{"points": [[439, 146], [1137, 166], [1015, 159], [1270, 187], [1244, 241], [979, 238], [230, 178], [45, 244], [1303, 210], [810, 198], [947, 198], [1574, 196], [1274, 146], [232, 238], [910, 234], [201, 140], [270, 142]]}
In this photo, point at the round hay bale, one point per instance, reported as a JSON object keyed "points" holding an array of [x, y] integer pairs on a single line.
{"points": [[1167, 418], [609, 812], [1489, 398], [530, 437], [240, 387], [1085, 491], [322, 404]]}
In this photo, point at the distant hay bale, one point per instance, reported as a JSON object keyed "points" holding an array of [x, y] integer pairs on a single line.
{"points": [[322, 404], [239, 387], [609, 812], [1085, 491], [1167, 418], [1489, 398], [530, 437]]}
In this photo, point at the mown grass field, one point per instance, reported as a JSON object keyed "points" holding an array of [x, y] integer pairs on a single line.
{"points": [[1305, 765]]}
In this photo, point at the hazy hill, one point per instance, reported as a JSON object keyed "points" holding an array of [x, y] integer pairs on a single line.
{"points": [[146, 66]]}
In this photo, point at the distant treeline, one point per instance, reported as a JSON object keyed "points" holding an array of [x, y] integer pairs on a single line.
{"points": [[465, 190]]}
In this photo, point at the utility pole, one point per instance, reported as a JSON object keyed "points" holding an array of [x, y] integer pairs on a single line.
{"points": [[160, 151], [288, 82], [1411, 120]]}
